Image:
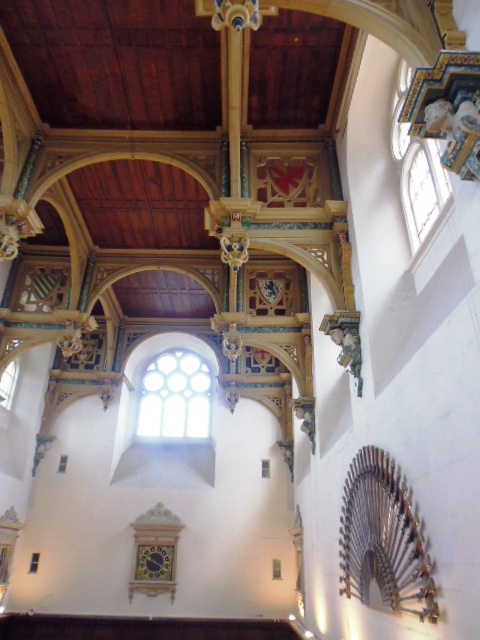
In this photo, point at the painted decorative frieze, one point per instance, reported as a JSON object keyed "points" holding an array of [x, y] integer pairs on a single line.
{"points": [[304, 409], [42, 289], [342, 327], [271, 291], [91, 356], [259, 361], [444, 102], [381, 541], [289, 182]]}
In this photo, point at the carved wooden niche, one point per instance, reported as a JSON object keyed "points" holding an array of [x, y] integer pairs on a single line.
{"points": [[384, 562], [154, 567]]}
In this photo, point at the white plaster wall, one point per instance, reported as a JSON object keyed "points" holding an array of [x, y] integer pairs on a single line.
{"points": [[420, 345], [17, 440], [80, 523]]}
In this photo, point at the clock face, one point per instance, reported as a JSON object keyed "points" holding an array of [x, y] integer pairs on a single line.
{"points": [[154, 562]]}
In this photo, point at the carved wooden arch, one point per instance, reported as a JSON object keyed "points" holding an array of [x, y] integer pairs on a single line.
{"points": [[26, 345], [110, 327], [418, 47], [11, 167], [75, 252], [48, 421], [45, 181], [249, 340], [267, 403], [128, 271], [220, 358], [306, 260]]}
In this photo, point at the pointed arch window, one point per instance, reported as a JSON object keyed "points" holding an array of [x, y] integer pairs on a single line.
{"points": [[176, 397]]}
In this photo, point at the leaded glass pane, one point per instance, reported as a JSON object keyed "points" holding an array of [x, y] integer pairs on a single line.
{"points": [[167, 363], [176, 402], [189, 364], [149, 418], [173, 425]]}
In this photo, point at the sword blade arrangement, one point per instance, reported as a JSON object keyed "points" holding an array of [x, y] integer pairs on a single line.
{"points": [[380, 539]]}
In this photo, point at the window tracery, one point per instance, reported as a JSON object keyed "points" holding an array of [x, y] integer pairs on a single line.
{"points": [[176, 397]]}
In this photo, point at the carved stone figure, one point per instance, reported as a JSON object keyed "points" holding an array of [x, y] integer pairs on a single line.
{"points": [[336, 336], [440, 116]]}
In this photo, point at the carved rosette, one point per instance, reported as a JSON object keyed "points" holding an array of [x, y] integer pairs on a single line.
{"points": [[236, 14], [286, 447], [342, 327], [304, 409], [380, 539]]}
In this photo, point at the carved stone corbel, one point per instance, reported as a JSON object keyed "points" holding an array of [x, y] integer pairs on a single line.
{"points": [[286, 447], [304, 409], [342, 327], [444, 102], [44, 444]]}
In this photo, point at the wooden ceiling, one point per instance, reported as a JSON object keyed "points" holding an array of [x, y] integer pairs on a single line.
{"points": [[153, 65], [293, 62], [54, 231], [163, 294], [136, 204], [117, 64]]}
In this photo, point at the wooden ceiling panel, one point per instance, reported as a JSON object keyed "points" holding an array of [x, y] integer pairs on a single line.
{"points": [[293, 63], [54, 231], [135, 204], [101, 64], [163, 294]]}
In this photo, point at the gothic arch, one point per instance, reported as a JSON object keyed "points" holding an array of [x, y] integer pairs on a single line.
{"points": [[45, 181], [128, 271], [10, 146], [306, 260], [419, 46], [249, 340]]}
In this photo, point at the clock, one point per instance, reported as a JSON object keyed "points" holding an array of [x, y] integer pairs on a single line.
{"points": [[154, 562], [155, 553]]}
